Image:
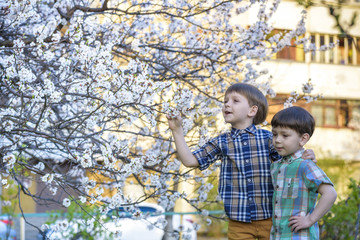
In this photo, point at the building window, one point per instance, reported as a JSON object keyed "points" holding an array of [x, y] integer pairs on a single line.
{"points": [[324, 112], [344, 113], [331, 51], [322, 56], [292, 52], [357, 48], [354, 114], [346, 50], [328, 113], [313, 53], [341, 51], [317, 113], [322, 53], [350, 51]]}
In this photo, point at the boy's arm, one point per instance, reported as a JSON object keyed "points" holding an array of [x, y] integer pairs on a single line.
{"points": [[183, 150], [327, 199], [309, 154]]}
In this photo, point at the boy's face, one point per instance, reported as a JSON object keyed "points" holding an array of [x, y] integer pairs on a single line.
{"points": [[237, 111], [287, 141]]}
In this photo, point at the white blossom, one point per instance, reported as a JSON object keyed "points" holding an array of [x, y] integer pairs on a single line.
{"points": [[66, 202], [82, 199], [4, 181], [47, 178], [45, 227], [307, 87], [10, 160], [53, 190], [6, 203], [40, 166]]}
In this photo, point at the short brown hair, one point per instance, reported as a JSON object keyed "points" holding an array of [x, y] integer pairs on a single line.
{"points": [[295, 118], [255, 98]]}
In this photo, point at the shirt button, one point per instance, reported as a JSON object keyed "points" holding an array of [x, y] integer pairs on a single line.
{"points": [[250, 199], [279, 171], [275, 216], [277, 186], [247, 161], [249, 180], [245, 143]]}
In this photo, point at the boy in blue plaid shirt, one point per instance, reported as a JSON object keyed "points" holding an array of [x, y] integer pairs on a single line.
{"points": [[296, 181], [246, 153]]}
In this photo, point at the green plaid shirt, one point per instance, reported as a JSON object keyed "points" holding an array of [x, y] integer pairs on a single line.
{"points": [[296, 182]]}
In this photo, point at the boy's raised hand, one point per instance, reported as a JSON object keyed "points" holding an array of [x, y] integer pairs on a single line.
{"points": [[184, 153], [174, 122]]}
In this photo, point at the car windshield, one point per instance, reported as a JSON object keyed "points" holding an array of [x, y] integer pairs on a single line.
{"points": [[122, 212]]}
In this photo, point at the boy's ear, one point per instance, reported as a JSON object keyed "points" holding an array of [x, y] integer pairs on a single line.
{"points": [[304, 139], [253, 111]]}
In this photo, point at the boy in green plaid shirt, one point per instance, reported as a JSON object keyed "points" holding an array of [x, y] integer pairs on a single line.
{"points": [[297, 181]]}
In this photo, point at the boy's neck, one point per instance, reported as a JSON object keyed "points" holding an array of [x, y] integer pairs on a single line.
{"points": [[242, 126], [298, 153]]}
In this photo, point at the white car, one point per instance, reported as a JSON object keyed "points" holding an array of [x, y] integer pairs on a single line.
{"points": [[151, 227], [147, 221]]}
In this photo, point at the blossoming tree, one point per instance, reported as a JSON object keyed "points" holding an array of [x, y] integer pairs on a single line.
{"points": [[85, 86]]}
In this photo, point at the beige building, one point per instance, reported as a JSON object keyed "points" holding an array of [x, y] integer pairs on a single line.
{"points": [[335, 75]]}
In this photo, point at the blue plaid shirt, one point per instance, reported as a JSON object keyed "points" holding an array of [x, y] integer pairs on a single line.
{"points": [[245, 180]]}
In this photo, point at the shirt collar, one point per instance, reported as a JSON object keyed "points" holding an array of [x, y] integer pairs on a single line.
{"points": [[292, 157], [236, 132]]}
